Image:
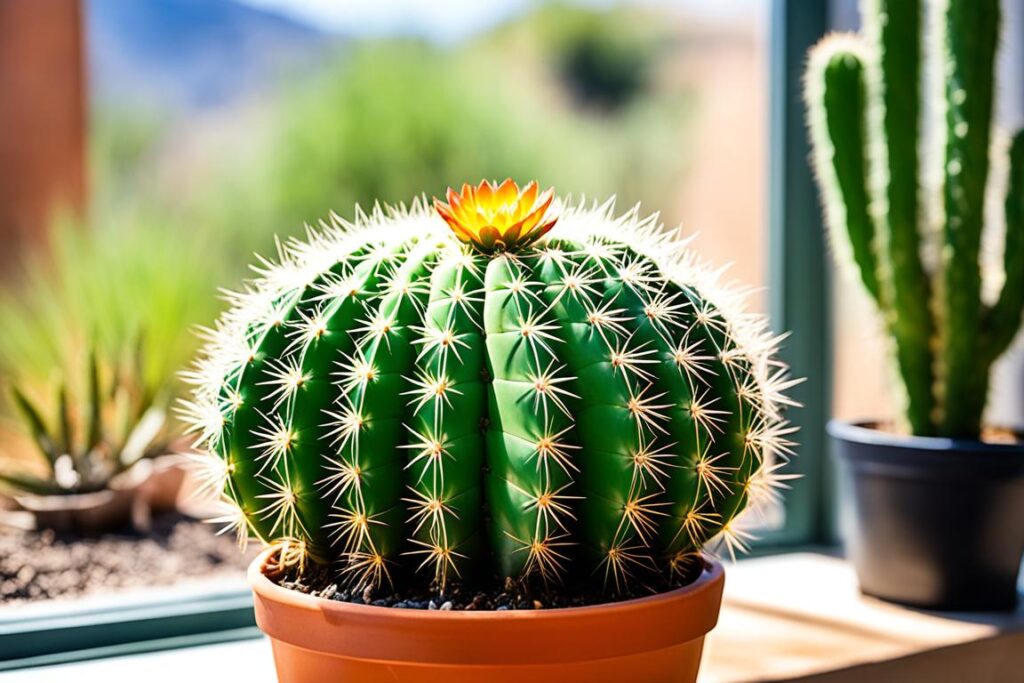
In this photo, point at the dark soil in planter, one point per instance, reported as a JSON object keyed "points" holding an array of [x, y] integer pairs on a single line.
{"points": [[989, 434], [320, 581], [44, 565]]}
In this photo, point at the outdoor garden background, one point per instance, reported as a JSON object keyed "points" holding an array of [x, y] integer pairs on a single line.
{"points": [[215, 125]]}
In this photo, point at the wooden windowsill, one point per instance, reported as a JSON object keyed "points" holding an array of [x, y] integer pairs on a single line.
{"points": [[795, 617], [800, 617]]}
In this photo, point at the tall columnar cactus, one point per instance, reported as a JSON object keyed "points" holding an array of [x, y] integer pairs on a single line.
{"points": [[491, 400], [863, 96]]}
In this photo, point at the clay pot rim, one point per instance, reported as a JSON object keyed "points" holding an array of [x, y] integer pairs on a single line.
{"points": [[475, 638], [709, 580]]}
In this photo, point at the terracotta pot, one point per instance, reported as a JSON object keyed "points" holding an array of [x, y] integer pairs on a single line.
{"points": [[648, 640]]}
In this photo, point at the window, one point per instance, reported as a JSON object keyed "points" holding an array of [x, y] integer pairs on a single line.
{"points": [[215, 128]]}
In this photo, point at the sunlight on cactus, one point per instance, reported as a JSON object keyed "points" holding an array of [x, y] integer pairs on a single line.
{"points": [[403, 399]]}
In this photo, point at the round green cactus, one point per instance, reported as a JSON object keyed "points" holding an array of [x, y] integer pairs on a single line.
{"points": [[545, 390]]}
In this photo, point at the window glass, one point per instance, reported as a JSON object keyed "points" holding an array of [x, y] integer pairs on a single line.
{"points": [[214, 126]]}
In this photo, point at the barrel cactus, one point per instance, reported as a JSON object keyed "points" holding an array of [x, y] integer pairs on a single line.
{"points": [[501, 387], [918, 244]]}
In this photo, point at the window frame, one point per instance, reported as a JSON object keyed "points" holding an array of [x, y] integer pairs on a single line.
{"points": [[118, 624], [799, 276], [800, 295]]}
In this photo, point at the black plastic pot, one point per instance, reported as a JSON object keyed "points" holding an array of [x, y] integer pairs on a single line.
{"points": [[936, 523]]}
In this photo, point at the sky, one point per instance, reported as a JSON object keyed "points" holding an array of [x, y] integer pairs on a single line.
{"points": [[453, 19]]}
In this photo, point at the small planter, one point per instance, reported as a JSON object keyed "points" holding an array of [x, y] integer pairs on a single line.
{"points": [[87, 513], [657, 639], [936, 523], [151, 486]]}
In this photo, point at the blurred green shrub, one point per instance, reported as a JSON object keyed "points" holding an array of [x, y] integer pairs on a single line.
{"points": [[136, 278], [380, 120], [123, 141], [393, 119], [389, 120], [605, 58]]}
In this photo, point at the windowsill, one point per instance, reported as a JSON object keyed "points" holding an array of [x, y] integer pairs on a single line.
{"points": [[787, 617], [116, 622], [801, 617]]}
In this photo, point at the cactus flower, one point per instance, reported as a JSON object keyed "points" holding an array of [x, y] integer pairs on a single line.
{"points": [[495, 217]]}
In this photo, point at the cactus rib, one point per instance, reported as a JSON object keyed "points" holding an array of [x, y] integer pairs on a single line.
{"points": [[969, 45], [1004, 318]]}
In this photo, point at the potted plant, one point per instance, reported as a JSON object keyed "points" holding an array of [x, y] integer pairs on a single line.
{"points": [[938, 514], [103, 461], [522, 417], [95, 329]]}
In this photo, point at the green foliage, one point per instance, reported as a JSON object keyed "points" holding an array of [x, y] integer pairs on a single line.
{"points": [[133, 277], [88, 442], [385, 120], [863, 100], [96, 328], [392, 119], [604, 57], [587, 409], [123, 142]]}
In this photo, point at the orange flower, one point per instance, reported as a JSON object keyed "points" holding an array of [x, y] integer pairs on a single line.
{"points": [[495, 217]]}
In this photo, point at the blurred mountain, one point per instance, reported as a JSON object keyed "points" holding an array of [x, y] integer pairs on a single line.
{"points": [[193, 54]]}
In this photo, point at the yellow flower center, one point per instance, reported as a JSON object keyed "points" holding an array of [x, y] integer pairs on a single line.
{"points": [[495, 217]]}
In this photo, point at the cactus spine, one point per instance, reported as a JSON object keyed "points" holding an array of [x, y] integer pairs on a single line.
{"points": [[863, 97], [404, 400]]}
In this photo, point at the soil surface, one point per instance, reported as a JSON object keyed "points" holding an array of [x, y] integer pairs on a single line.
{"points": [[321, 582], [43, 565], [990, 435]]}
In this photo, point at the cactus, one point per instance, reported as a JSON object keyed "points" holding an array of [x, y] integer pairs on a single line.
{"points": [[543, 391], [863, 97]]}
